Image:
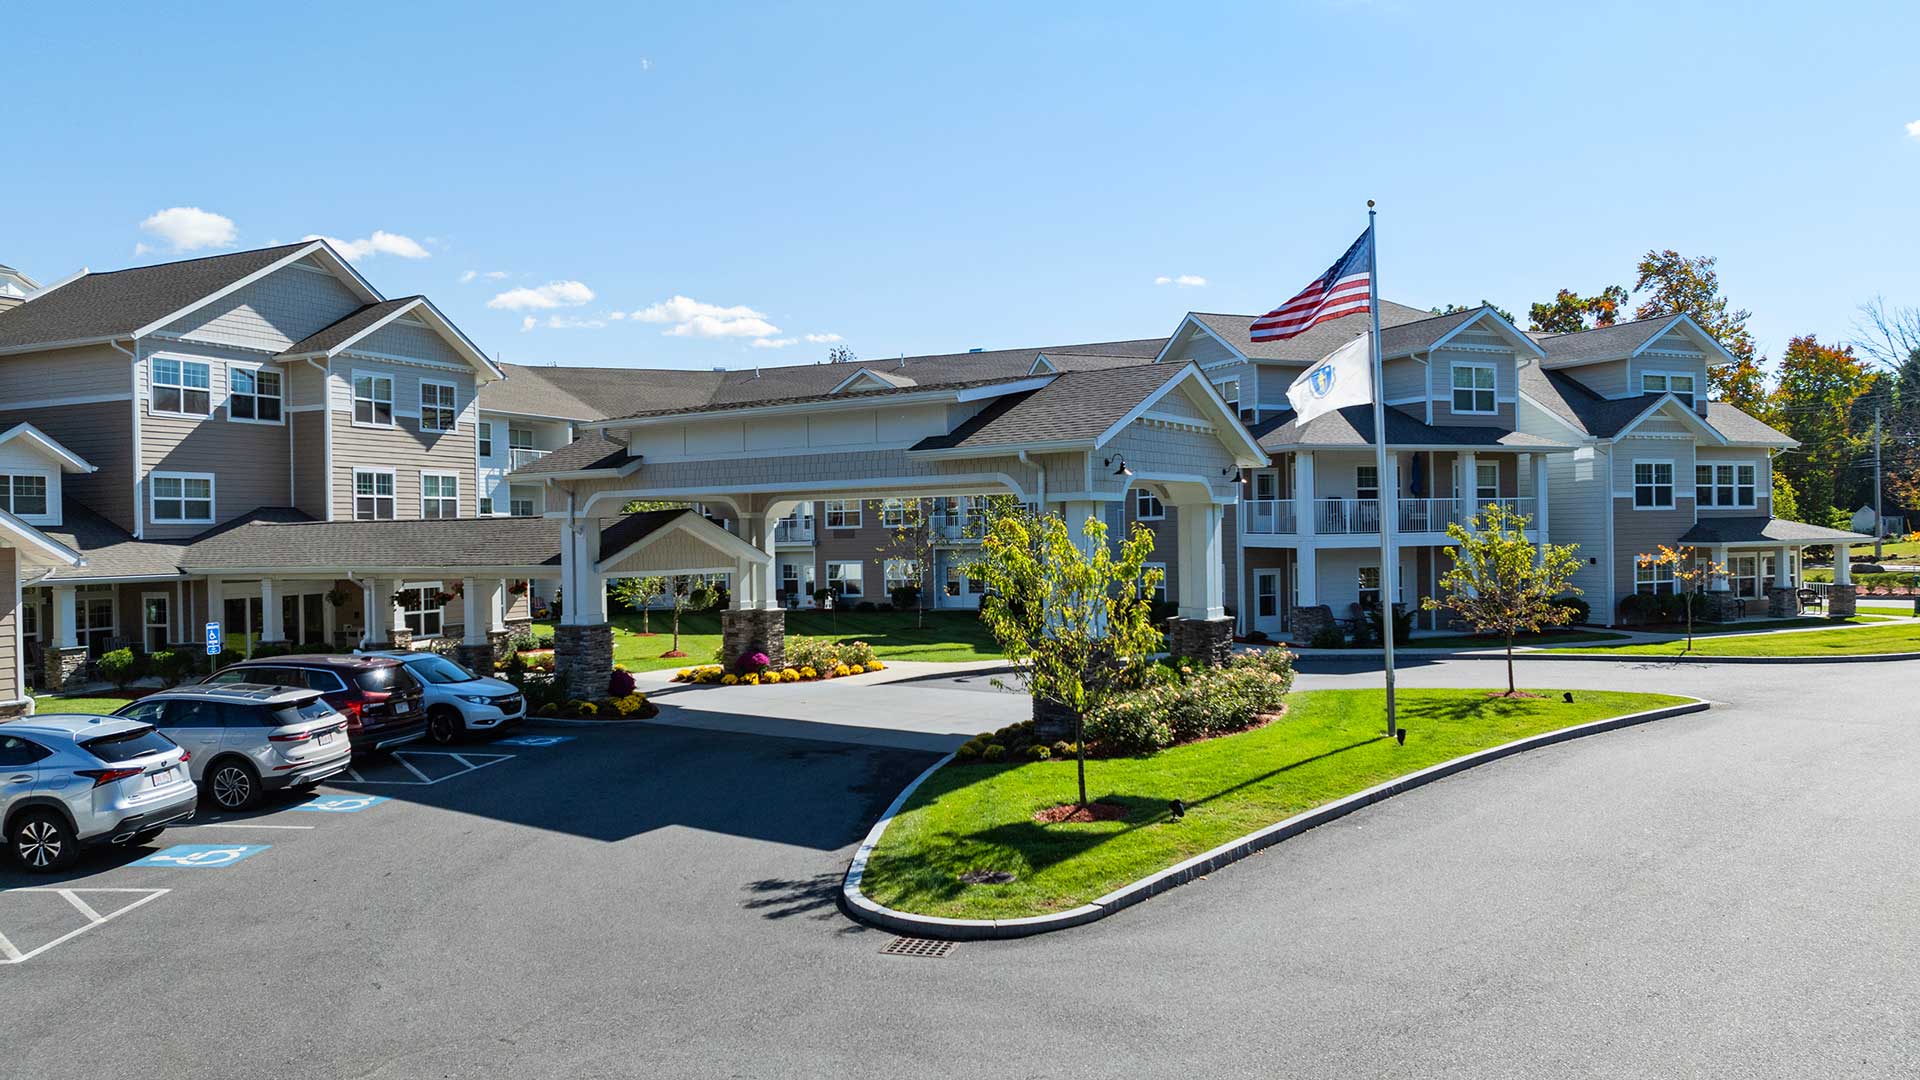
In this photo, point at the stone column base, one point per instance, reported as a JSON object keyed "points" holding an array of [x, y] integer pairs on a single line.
{"points": [[752, 630], [13, 712], [1052, 722], [501, 643], [400, 639], [1305, 623], [1721, 606], [1210, 641], [64, 666], [1842, 601], [475, 658], [1782, 603], [583, 659]]}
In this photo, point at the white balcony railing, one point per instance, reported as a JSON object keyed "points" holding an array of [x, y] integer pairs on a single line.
{"points": [[1427, 515], [1269, 517], [1522, 507], [945, 527], [793, 531], [1335, 517], [520, 456]]}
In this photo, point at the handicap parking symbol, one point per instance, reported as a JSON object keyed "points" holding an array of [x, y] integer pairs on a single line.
{"points": [[201, 856], [339, 804], [534, 740]]}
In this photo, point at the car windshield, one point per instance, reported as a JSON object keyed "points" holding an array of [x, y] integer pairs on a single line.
{"points": [[127, 745], [298, 714], [439, 669]]}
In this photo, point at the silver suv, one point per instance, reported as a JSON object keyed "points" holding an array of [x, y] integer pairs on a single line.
{"points": [[248, 738], [77, 779], [458, 702]]}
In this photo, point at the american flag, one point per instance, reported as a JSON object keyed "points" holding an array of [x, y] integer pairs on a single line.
{"points": [[1345, 289]]}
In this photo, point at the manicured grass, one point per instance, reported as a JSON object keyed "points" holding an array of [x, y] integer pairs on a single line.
{"points": [[1484, 641], [949, 637], [1330, 743], [59, 703], [1855, 640]]}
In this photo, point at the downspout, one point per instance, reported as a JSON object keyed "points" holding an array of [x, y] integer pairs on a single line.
{"points": [[133, 378], [1041, 470], [1427, 381], [326, 433]]}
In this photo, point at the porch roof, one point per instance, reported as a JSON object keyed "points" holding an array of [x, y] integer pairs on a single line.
{"points": [[487, 545], [1766, 530], [1351, 428]]}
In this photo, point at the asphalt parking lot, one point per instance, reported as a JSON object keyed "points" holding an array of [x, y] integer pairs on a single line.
{"points": [[1726, 894]]}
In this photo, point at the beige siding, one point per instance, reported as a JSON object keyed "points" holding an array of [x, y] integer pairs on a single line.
{"points": [[403, 448], [1641, 532], [408, 338], [250, 462], [678, 553], [1505, 388], [93, 372], [1763, 479], [10, 688], [100, 433], [308, 436], [274, 312]]}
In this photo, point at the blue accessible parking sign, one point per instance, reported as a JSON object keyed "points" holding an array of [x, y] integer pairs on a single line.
{"points": [[201, 856], [340, 804], [534, 740], [216, 641]]}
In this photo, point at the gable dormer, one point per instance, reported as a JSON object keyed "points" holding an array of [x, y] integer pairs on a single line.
{"points": [[31, 467], [1456, 370], [1668, 354]]}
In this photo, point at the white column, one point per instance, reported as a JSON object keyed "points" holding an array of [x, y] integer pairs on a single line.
{"points": [[396, 615], [1783, 567], [1842, 565], [1719, 582], [369, 611], [270, 628], [1304, 523], [216, 607], [584, 602], [1075, 514], [758, 530], [1540, 500], [496, 605], [1469, 493], [1307, 569], [1203, 579], [66, 618], [473, 629]]}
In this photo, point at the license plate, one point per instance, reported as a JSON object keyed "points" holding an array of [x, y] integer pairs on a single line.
{"points": [[323, 739], [161, 778], [400, 707]]}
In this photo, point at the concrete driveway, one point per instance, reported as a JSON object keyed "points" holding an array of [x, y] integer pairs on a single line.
{"points": [[1728, 894]]}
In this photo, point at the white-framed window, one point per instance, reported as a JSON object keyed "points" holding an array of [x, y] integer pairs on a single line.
{"points": [[893, 513], [1770, 571], [486, 506], [1653, 485], [1160, 589], [1486, 480], [520, 505], [485, 434], [519, 438], [1743, 576], [181, 498], [439, 495], [1369, 586], [181, 387], [1230, 393], [1473, 388], [843, 513], [1147, 505], [30, 620], [23, 494], [1366, 482], [254, 396], [1654, 578], [373, 400], [1679, 384], [844, 577], [421, 607], [437, 411], [373, 494], [1726, 485], [900, 572]]}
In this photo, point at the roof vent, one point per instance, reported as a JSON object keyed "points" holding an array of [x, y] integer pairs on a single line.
{"points": [[976, 350], [719, 367]]}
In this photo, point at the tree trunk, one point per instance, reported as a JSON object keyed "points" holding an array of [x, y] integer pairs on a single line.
{"points": [[676, 628], [1510, 689], [1080, 748]]}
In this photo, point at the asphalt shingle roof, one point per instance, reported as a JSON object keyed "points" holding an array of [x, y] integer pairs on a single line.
{"points": [[1075, 406], [1756, 530], [1563, 395], [119, 302], [1316, 342], [589, 451], [1600, 343], [1352, 427], [1742, 427], [448, 543], [328, 336]]}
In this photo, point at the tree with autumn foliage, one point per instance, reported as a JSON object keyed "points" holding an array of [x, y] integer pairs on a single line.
{"points": [[1676, 285], [1569, 312], [1819, 387], [1453, 309]]}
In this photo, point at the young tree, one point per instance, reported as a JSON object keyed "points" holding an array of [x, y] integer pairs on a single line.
{"points": [[1073, 616], [910, 539], [1503, 582], [1688, 572], [639, 594], [688, 593], [1569, 312]]}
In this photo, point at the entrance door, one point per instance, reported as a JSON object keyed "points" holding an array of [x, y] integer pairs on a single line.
{"points": [[156, 610], [1266, 601], [94, 622]]}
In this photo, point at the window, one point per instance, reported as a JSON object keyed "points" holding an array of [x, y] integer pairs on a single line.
{"points": [[520, 506], [23, 495], [436, 406], [1725, 485], [182, 387], [844, 578], [1160, 589], [843, 514], [1652, 485], [486, 507], [1743, 576], [1230, 393], [439, 495], [182, 498], [373, 400], [519, 438], [1473, 388], [420, 606], [1486, 480], [893, 514], [1661, 382], [30, 620], [1147, 506], [372, 495], [253, 395], [901, 572], [1655, 578], [1369, 582], [1366, 482], [486, 440]]}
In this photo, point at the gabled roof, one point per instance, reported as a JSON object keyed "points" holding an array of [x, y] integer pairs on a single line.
{"points": [[633, 533], [34, 548], [26, 432], [872, 379], [110, 551], [1562, 396], [1624, 340], [444, 544], [590, 453], [1759, 530], [342, 334], [1232, 331], [1352, 428], [92, 307], [1424, 335]]}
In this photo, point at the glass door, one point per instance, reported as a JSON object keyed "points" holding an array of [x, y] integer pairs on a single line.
{"points": [[156, 621]]}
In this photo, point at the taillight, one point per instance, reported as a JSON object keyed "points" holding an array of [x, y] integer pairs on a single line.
{"points": [[293, 736], [351, 710], [106, 776], [186, 756]]}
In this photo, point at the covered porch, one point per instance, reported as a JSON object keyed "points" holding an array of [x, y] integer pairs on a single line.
{"points": [[1762, 557]]}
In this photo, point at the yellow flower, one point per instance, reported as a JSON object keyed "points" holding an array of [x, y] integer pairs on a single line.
{"points": [[685, 673], [857, 670], [809, 673], [729, 680], [842, 669], [751, 678], [876, 666]]}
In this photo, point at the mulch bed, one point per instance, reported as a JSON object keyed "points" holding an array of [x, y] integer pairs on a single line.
{"points": [[1076, 814]]}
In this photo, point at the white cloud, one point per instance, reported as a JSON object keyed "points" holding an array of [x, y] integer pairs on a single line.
{"points": [[188, 228], [824, 339], [381, 242], [573, 322], [692, 318], [1185, 281], [490, 275], [528, 323], [774, 343], [616, 316], [1913, 129], [554, 294]]}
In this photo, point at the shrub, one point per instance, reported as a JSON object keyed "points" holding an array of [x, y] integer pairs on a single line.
{"points": [[864, 605], [1131, 726], [1582, 611], [1328, 637], [1039, 753], [905, 597], [172, 665], [967, 752], [993, 753], [1639, 608], [856, 652], [620, 685], [812, 653], [752, 662], [120, 667], [1063, 748]]}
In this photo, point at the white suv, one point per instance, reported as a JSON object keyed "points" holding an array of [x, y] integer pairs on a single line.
{"points": [[249, 738], [69, 780], [458, 702]]}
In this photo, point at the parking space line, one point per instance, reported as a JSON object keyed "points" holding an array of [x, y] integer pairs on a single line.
{"points": [[80, 905], [469, 763], [239, 825], [11, 955], [408, 765]]}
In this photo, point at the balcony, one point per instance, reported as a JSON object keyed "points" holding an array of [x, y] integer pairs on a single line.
{"points": [[948, 527], [1427, 515], [793, 531], [1342, 517], [1268, 517], [520, 456]]}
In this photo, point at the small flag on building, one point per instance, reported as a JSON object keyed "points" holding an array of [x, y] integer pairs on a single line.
{"points": [[1343, 290]]}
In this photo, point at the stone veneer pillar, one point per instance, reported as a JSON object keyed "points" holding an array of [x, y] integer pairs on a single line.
{"points": [[1842, 601], [1305, 623], [63, 666], [751, 630], [500, 643], [583, 658], [475, 658], [1721, 606], [1782, 602], [1209, 641], [399, 637]]}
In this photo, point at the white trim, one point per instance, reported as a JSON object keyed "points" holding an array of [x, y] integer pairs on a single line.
{"points": [[1717, 463], [293, 257], [183, 359], [1039, 359], [442, 474], [19, 535], [453, 390], [256, 369], [702, 530], [1669, 376], [1510, 331], [73, 399], [1231, 429], [1140, 493], [1673, 483], [353, 486], [1692, 418], [353, 399], [867, 373], [27, 430], [1161, 356], [45, 289], [1493, 392], [153, 496]]}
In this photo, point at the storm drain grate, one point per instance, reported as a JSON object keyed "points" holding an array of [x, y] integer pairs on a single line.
{"points": [[913, 946]]}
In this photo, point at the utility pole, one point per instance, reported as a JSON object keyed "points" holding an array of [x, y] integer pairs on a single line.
{"points": [[1879, 525]]}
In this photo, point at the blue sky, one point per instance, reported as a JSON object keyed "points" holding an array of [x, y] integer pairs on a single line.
{"points": [[926, 179]]}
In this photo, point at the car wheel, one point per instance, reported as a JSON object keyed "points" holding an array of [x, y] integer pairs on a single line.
{"points": [[232, 785], [42, 841], [444, 726]]}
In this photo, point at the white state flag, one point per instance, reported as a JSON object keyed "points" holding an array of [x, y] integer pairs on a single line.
{"points": [[1343, 377]]}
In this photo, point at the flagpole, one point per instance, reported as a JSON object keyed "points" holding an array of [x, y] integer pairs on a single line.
{"points": [[1389, 564]]}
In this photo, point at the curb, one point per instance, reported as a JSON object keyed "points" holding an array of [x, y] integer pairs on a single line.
{"points": [[1654, 658], [858, 907]]}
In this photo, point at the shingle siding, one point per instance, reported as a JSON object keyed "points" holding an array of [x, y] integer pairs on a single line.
{"points": [[271, 313], [250, 461]]}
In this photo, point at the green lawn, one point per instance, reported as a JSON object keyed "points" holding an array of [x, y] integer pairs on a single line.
{"points": [[1484, 641], [60, 703], [949, 637], [1854, 640], [1331, 743]]}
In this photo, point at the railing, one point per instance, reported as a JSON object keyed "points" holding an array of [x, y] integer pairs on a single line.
{"points": [[1521, 507], [1427, 515], [793, 531], [519, 456], [1269, 517], [947, 526], [1334, 517]]}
